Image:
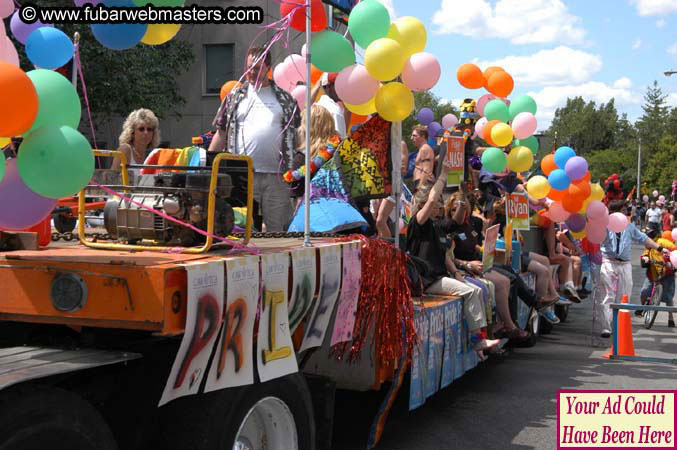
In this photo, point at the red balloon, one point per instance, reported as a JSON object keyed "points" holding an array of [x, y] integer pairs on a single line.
{"points": [[298, 19]]}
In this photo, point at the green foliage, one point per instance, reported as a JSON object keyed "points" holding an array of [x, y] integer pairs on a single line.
{"points": [[653, 123], [425, 99]]}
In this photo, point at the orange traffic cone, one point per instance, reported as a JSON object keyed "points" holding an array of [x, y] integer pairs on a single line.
{"points": [[626, 346]]}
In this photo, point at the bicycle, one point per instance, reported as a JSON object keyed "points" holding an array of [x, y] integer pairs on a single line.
{"points": [[658, 267]]}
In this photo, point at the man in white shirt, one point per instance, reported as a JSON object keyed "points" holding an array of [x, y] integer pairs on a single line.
{"points": [[653, 216]]}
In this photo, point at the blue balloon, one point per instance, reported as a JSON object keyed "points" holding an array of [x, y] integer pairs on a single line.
{"points": [[49, 48], [433, 129], [119, 36], [559, 180], [562, 155]]}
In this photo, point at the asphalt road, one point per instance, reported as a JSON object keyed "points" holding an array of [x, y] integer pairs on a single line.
{"points": [[510, 402]]}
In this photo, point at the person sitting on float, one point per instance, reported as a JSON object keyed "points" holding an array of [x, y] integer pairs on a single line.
{"points": [[140, 134]]}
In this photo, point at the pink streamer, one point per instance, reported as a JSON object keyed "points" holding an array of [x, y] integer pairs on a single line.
{"points": [[84, 92]]}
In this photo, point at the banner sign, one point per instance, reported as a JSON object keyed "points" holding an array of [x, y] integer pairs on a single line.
{"points": [[455, 155], [489, 251], [350, 294], [304, 272], [517, 211], [419, 361], [435, 349]]}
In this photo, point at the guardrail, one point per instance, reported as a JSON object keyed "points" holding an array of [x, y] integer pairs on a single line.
{"points": [[615, 307]]}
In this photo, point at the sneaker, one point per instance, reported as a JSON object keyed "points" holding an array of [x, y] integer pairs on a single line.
{"points": [[583, 293], [542, 304], [605, 334], [571, 294], [550, 316], [564, 301]]}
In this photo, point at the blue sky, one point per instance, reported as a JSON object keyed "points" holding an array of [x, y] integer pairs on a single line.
{"points": [[554, 49]]}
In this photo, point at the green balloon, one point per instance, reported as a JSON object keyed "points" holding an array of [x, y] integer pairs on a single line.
{"points": [[531, 143], [494, 160], [2, 165], [55, 161], [368, 21], [496, 110], [523, 103], [331, 52], [59, 103]]}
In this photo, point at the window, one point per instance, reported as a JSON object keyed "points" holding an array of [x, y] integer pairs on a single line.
{"points": [[218, 66]]}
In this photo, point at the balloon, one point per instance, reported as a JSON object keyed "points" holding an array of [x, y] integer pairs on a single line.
{"points": [[562, 155], [58, 101], [299, 93], [367, 22], [280, 77], [384, 59], [674, 234], [559, 180], [538, 187], [523, 103], [81, 3], [355, 85], [21, 30], [587, 176], [655, 193], [673, 257], [596, 210], [576, 223], [661, 198], [49, 48], [579, 235], [450, 121], [315, 74], [8, 52], [489, 71], [6, 8], [479, 126], [20, 99], [580, 190], [645, 198], [394, 101], [227, 87], [410, 33], [2, 165], [356, 119], [4, 142], [421, 71], [433, 128], [56, 161], [572, 204], [617, 222], [21, 207], [524, 125], [594, 233], [596, 192], [496, 110], [557, 212], [600, 222], [667, 235], [470, 76], [576, 168], [494, 160], [425, 116], [500, 83], [482, 102], [556, 195], [120, 36], [531, 142], [298, 14], [295, 69], [364, 109], [486, 132], [331, 52], [548, 164], [520, 159], [501, 134], [160, 33]]}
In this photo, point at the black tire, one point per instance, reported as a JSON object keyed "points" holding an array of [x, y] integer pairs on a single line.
{"points": [[38, 418], [545, 327], [654, 300], [63, 223], [562, 312], [211, 421]]}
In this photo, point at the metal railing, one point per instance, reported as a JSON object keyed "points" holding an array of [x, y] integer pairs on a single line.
{"points": [[615, 307]]}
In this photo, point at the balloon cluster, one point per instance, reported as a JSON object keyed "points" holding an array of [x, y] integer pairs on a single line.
{"points": [[426, 116], [392, 50]]}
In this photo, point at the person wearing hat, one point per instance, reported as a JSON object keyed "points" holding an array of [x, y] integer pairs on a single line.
{"points": [[330, 101]]}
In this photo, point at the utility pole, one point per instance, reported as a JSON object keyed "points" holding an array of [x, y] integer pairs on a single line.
{"points": [[639, 169]]}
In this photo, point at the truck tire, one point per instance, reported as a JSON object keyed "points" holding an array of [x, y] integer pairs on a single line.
{"points": [[33, 418], [276, 414]]}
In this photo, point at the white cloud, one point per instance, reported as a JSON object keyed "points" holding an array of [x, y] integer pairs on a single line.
{"points": [[654, 7], [660, 23], [390, 7], [560, 65], [623, 83], [550, 98], [672, 99], [672, 50], [637, 43], [519, 21]]}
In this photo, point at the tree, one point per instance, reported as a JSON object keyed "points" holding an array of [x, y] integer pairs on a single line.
{"points": [[652, 124], [425, 99], [661, 168]]}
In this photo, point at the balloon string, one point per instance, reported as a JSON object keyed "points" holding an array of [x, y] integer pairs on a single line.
{"points": [[235, 244], [84, 92]]}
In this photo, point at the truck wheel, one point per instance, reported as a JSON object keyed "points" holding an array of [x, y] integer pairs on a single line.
{"points": [[277, 414], [562, 311], [33, 418], [64, 224]]}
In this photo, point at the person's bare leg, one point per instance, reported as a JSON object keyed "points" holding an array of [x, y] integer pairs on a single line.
{"points": [[577, 272], [384, 210], [543, 260], [542, 274], [502, 292]]}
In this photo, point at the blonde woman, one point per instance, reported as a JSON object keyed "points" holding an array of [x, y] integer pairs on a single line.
{"points": [[324, 140], [140, 132]]}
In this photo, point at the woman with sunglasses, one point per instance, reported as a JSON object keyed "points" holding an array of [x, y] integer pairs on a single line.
{"points": [[140, 133]]}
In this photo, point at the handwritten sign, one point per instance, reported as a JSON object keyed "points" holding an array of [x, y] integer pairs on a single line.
{"points": [[203, 320], [350, 294], [456, 156], [517, 211], [489, 251], [303, 262]]}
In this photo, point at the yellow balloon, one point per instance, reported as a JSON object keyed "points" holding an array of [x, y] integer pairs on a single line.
{"points": [[384, 59], [520, 159], [394, 102], [410, 33], [501, 134], [596, 192], [579, 235], [584, 208], [160, 33], [538, 187], [4, 141], [364, 109]]}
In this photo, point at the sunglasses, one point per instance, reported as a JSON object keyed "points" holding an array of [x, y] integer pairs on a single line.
{"points": [[144, 129]]}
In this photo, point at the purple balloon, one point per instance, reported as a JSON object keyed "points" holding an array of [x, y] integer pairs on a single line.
{"points": [[576, 223], [576, 168], [425, 116], [433, 128], [21, 30], [80, 3], [21, 207]]}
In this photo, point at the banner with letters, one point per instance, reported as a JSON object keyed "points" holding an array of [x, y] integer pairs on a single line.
{"points": [[304, 280], [435, 349], [350, 293], [456, 156], [419, 360], [517, 211]]}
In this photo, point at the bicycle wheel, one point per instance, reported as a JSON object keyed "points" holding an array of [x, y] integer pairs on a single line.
{"points": [[654, 300]]}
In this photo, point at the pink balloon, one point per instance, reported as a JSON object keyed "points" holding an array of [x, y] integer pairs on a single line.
{"points": [[299, 93], [296, 68], [8, 52], [674, 234], [6, 8], [595, 233], [449, 121], [617, 222], [421, 72], [355, 86], [304, 50], [673, 257], [661, 198], [482, 102], [655, 193], [596, 210], [280, 77], [479, 125], [524, 125], [600, 222], [557, 212]]}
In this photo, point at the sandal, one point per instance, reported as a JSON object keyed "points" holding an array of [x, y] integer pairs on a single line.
{"points": [[518, 334], [543, 303]]}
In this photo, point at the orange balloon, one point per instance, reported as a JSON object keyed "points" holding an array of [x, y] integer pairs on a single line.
{"points": [[556, 195], [572, 204], [668, 235], [486, 132], [490, 70], [587, 177], [500, 83], [547, 163], [356, 119], [470, 76], [315, 74], [580, 189], [19, 101], [270, 73], [229, 86]]}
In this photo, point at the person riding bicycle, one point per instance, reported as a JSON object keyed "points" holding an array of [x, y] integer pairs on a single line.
{"points": [[659, 269]]}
